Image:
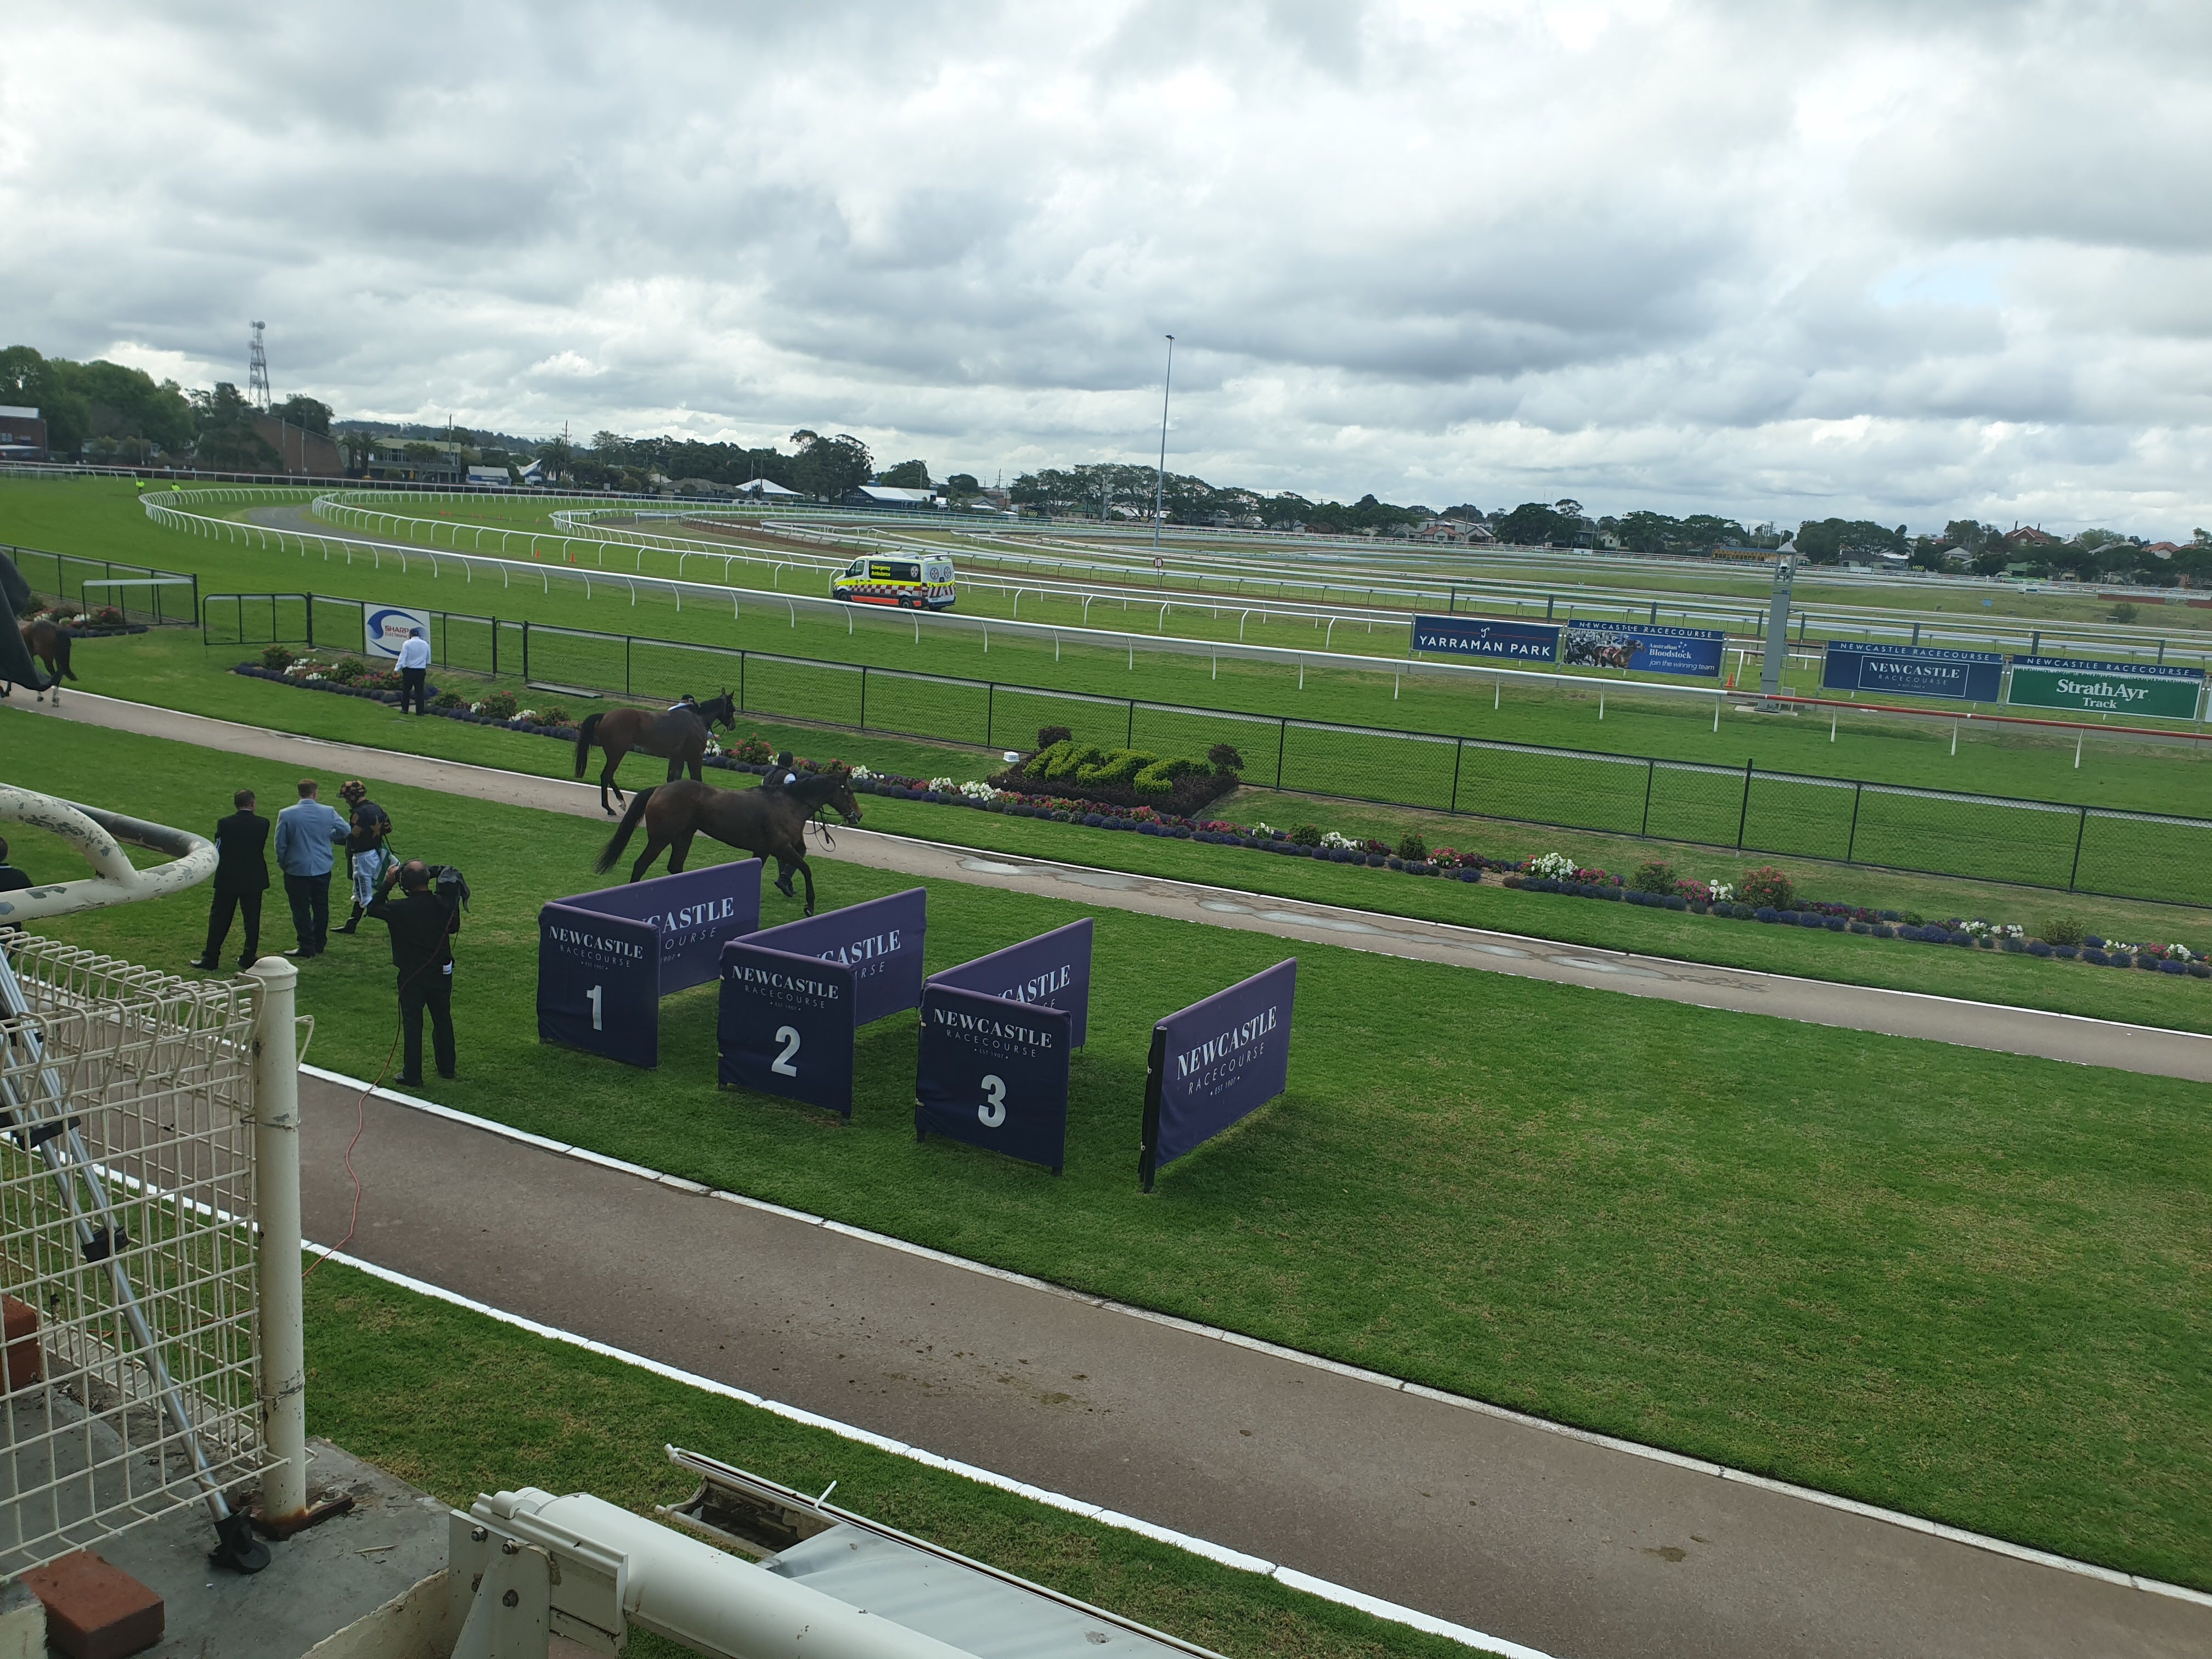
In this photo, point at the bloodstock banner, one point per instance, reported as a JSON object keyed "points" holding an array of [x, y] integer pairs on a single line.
{"points": [[1216, 1062], [1913, 670], [2108, 688], [1479, 636], [794, 996], [1644, 648], [991, 1069], [605, 959]]}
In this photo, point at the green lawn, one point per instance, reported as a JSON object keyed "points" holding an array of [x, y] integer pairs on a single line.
{"points": [[102, 519], [461, 1404], [1965, 1284], [172, 670]]}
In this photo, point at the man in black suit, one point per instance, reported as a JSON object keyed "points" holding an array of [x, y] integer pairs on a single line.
{"points": [[423, 919], [242, 876]]}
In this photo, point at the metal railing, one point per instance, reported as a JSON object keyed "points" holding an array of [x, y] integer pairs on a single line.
{"points": [[142, 593], [2063, 846]]}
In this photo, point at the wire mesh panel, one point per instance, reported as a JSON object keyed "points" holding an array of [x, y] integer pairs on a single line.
{"points": [[335, 624], [929, 705], [1685, 801], [1019, 713], [830, 692], [666, 671], [1363, 764], [563, 656], [1985, 837], [1190, 734], [1549, 786], [1810, 817], [2145, 855], [126, 1247]]}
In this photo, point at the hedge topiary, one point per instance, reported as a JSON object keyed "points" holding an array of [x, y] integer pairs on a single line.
{"points": [[1049, 735]]}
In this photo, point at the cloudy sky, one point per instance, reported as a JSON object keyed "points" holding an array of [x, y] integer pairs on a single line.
{"points": [[1777, 258]]}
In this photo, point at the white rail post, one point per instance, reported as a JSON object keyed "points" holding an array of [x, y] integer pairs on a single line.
{"points": [[276, 1184]]}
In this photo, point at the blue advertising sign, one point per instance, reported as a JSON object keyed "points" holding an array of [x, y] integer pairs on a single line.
{"points": [[1053, 970], [1481, 636], [599, 983], [1646, 648], [1215, 1062], [1913, 670], [993, 1073], [693, 914], [880, 941], [785, 1026], [605, 959]]}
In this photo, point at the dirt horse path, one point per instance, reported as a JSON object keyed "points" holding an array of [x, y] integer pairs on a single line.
{"points": [[2150, 1049]]}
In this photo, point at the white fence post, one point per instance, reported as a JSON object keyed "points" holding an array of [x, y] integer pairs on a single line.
{"points": [[283, 1382]]}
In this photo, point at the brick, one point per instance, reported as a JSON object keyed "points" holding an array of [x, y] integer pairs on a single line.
{"points": [[95, 1610], [19, 1329]]}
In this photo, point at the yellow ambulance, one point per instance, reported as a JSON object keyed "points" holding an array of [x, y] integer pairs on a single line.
{"points": [[923, 583]]}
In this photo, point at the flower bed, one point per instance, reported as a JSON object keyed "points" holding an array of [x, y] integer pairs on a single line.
{"points": [[1122, 780], [1765, 895], [101, 623]]}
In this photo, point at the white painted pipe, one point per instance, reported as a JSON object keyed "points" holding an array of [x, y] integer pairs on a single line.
{"points": [[690, 1592], [99, 836], [283, 1379]]}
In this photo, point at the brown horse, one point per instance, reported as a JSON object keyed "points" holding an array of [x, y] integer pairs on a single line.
{"points": [[50, 643], [769, 823], [679, 735]]}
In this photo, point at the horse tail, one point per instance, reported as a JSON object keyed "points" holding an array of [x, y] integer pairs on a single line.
{"points": [[589, 725], [62, 643], [631, 819]]}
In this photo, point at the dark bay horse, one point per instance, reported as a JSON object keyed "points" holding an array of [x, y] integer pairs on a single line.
{"points": [[769, 823], [50, 643], [679, 735], [16, 666]]}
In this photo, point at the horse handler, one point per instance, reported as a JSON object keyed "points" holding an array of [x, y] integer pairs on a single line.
{"points": [[423, 920]]}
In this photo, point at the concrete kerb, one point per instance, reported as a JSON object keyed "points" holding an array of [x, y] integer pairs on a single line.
{"points": [[1289, 1576], [1235, 1338]]}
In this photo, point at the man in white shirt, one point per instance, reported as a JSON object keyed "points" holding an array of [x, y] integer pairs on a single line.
{"points": [[414, 665]]}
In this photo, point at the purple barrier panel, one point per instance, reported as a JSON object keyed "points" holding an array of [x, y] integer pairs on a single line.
{"points": [[880, 941], [785, 1025], [1214, 1062], [694, 913], [599, 983], [994, 1073], [1053, 970]]}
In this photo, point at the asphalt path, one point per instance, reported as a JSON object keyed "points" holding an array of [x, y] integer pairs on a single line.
{"points": [[2069, 1038], [1564, 1543]]}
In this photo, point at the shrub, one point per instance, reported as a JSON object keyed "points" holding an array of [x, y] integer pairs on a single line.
{"points": [[1225, 758], [1767, 913], [1061, 760], [2036, 947], [1158, 778], [347, 671], [2062, 930], [278, 657], [1114, 766], [107, 616], [448, 701], [498, 705], [1741, 912], [1306, 834], [1653, 876], [2124, 613], [1883, 930], [2091, 954], [554, 714], [1049, 735], [1767, 886], [1412, 847]]}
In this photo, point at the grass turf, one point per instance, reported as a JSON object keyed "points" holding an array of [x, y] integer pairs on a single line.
{"points": [[102, 519], [172, 670], [462, 1404], [1960, 1284]]}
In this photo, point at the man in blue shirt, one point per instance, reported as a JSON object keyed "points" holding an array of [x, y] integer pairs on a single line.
{"points": [[307, 831]]}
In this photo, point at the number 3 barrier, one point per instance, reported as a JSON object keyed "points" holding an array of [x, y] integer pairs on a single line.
{"points": [[795, 997], [605, 959], [991, 1066]]}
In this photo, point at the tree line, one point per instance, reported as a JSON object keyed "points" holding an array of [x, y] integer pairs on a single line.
{"points": [[107, 412]]}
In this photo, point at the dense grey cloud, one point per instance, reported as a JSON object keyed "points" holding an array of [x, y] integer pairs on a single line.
{"points": [[1777, 260]]}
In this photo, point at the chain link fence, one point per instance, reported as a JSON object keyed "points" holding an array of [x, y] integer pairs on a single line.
{"points": [[141, 593], [2035, 843]]}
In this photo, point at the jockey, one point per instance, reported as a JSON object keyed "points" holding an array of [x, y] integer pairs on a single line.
{"points": [[687, 703], [781, 776]]}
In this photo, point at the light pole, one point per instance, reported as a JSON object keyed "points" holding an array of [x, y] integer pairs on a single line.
{"points": [[1160, 479]]}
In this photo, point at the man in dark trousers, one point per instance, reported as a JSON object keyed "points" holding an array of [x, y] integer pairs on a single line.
{"points": [[242, 876], [308, 832], [12, 880], [423, 920]]}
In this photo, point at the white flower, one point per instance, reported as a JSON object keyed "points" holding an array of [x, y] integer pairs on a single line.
{"points": [[1338, 843], [1556, 866], [522, 715], [941, 786], [1719, 892], [862, 772], [2181, 953], [1262, 829], [316, 676], [979, 791]]}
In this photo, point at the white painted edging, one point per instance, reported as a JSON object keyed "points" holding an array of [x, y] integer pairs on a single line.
{"points": [[1233, 1338], [1290, 1577]]}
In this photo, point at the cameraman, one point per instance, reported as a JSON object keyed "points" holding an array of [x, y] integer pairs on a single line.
{"points": [[423, 920]]}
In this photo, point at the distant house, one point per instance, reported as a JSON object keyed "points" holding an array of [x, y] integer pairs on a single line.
{"points": [[892, 495], [303, 454], [763, 489], [417, 460], [493, 477], [2163, 549], [2029, 536], [1450, 530], [22, 434]]}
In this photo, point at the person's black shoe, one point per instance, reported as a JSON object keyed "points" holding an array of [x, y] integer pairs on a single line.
{"points": [[447, 1076], [202, 963], [245, 962], [407, 1083], [300, 951]]}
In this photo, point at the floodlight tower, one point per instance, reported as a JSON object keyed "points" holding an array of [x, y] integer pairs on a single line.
{"points": [[257, 374]]}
